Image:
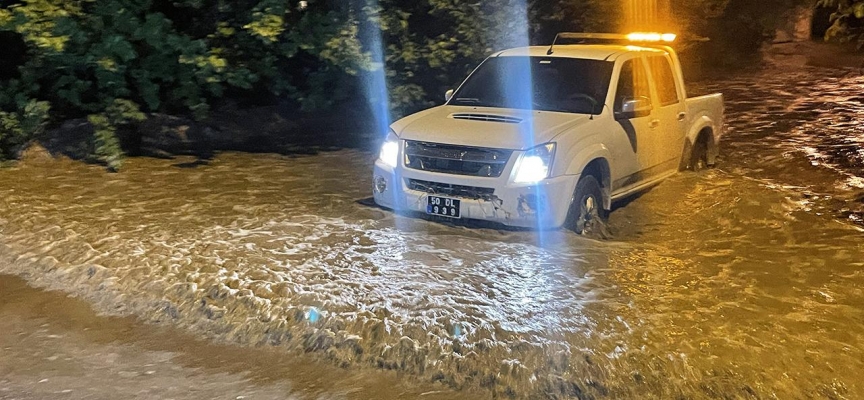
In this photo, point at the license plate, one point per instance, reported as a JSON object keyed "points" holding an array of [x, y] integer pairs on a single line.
{"points": [[443, 207]]}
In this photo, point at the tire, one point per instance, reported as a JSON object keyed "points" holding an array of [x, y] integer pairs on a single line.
{"points": [[699, 156], [586, 210]]}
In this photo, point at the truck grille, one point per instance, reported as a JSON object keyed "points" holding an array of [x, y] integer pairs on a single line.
{"points": [[447, 189], [456, 160]]}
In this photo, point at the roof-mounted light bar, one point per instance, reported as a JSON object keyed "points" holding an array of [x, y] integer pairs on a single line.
{"points": [[640, 37], [652, 37]]}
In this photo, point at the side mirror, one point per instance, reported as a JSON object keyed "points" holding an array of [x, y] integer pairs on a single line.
{"points": [[449, 95], [634, 108]]}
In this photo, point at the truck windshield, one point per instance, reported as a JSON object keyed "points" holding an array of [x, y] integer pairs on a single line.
{"points": [[538, 83]]}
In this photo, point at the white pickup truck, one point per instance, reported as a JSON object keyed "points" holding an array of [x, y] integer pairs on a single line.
{"points": [[546, 137]]}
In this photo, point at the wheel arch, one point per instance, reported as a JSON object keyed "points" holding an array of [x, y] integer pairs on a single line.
{"points": [[702, 130], [596, 163]]}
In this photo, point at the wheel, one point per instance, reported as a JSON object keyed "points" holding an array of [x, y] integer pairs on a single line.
{"points": [[586, 210], [699, 156]]}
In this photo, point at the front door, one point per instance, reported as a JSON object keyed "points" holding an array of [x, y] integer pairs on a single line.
{"points": [[634, 149]]}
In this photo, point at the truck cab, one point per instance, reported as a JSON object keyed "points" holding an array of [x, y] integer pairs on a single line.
{"points": [[546, 137]]}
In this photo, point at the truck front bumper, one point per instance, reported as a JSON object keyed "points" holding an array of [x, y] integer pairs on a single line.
{"points": [[543, 205]]}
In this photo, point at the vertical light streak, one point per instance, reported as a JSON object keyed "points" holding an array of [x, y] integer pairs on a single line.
{"points": [[520, 90], [646, 15], [375, 81]]}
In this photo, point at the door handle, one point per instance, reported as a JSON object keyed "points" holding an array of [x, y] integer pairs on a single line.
{"points": [[682, 116], [653, 124]]}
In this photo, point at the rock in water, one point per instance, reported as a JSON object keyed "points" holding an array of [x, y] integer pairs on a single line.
{"points": [[35, 153]]}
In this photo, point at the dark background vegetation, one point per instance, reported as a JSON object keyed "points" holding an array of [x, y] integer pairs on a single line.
{"points": [[114, 64]]}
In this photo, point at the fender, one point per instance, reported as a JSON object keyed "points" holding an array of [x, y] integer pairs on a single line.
{"points": [[584, 157], [700, 123]]}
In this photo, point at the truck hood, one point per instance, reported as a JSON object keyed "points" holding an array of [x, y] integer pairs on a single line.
{"points": [[486, 127]]}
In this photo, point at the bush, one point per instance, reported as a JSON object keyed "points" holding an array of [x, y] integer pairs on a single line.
{"points": [[115, 61], [847, 21], [87, 58], [19, 127]]}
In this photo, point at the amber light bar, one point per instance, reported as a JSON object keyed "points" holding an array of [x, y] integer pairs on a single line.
{"points": [[651, 37], [635, 37]]}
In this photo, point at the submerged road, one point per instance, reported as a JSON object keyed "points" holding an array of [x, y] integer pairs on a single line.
{"points": [[742, 281], [55, 347]]}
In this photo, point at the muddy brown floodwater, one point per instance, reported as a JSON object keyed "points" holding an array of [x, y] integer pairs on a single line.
{"points": [[745, 281], [56, 347]]}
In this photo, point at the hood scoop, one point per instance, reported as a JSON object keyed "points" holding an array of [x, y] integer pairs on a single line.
{"points": [[487, 118]]}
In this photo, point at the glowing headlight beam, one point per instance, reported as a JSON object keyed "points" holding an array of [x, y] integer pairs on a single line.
{"points": [[532, 169], [390, 153], [534, 166]]}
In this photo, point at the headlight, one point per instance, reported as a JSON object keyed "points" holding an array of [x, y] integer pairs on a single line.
{"points": [[390, 150], [535, 165]]}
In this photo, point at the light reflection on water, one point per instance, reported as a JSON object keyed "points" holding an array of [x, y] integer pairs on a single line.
{"points": [[741, 281]]}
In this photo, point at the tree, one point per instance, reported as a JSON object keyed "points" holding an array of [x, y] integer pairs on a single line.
{"points": [[113, 62]]}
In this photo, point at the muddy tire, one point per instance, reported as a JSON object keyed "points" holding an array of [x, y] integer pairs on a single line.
{"points": [[586, 212], [699, 156]]}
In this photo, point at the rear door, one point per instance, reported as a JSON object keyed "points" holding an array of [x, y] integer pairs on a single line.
{"points": [[670, 113]]}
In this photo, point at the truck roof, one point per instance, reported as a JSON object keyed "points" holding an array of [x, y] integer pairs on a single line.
{"points": [[607, 52]]}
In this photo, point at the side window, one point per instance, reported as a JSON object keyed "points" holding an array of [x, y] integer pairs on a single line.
{"points": [[632, 85], [664, 78]]}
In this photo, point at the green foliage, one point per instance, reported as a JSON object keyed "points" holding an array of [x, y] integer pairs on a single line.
{"points": [[848, 21], [107, 145], [115, 61], [22, 125], [95, 59], [119, 114]]}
